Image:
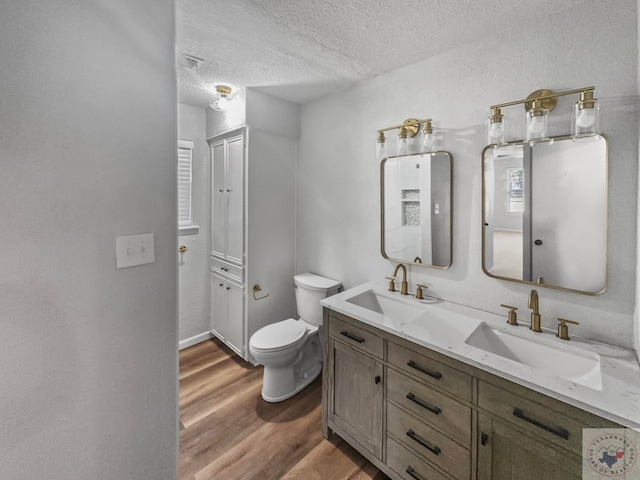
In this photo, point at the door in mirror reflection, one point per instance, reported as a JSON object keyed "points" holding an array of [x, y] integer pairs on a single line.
{"points": [[416, 209], [545, 213]]}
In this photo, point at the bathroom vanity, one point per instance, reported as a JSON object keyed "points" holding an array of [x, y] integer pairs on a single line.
{"points": [[414, 389]]}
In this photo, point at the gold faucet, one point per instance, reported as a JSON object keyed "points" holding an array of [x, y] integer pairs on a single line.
{"points": [[404, 290], [533, 304]]}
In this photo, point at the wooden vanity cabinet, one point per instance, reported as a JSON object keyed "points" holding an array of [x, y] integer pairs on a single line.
{"points": [[418, 414], [353, 369], [524, 435]]}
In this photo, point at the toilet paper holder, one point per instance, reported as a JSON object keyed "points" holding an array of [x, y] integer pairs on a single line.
{"points": [[257, 288]]}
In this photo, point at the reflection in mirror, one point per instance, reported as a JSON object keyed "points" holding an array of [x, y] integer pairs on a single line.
{"points": [[416, 209], [545, 213]]}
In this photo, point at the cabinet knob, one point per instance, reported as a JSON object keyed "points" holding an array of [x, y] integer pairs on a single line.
{"points": [[377, 379]]}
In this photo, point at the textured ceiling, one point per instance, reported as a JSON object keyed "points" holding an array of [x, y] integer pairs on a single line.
{"points": [[301, 50]]}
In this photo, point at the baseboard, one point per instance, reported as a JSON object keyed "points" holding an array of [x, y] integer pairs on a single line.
{"points": [[193, 340]]}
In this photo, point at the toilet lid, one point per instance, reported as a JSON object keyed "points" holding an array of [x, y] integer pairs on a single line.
{"points": [[279, 335]]}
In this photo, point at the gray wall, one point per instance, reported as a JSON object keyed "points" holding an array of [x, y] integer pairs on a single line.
{"points": [[337, 166], [88, 149]]}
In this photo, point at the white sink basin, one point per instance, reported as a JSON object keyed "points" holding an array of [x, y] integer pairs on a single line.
{"points": [[563, 361], [386, 305]]}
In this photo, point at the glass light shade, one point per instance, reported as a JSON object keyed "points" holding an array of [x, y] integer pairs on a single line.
{"points": [[381, 150], [495, 131], [537, 125], [495, 127], [586, 119], [429, 141], [403, 145]]}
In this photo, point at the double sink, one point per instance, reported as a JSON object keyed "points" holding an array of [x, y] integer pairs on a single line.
{"points": [[539, 351]]}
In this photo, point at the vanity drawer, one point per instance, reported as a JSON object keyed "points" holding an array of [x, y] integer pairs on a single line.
{"points": [[431, 445], [531, 416], [358, 337], [407, 465], [226, 269], [431, 371], [433, 407]]}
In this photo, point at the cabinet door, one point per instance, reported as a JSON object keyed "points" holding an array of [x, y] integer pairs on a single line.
{"points": [[235, 193], [227, 313], [504, 453], [357, 396], [219, 317], [218, 200], [235, 318]]}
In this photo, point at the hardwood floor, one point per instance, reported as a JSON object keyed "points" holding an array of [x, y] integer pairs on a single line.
{"points": [[227, 432]]}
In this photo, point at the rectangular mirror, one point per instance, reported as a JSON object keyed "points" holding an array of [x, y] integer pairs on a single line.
{"points": [[416, 198], [545, 213]]}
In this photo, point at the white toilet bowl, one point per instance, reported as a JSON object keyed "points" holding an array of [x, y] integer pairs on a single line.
{"points": [[291, 355], [290, 350]]}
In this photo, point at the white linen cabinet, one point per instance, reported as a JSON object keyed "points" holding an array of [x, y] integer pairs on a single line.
{"points": [[252, 233]]}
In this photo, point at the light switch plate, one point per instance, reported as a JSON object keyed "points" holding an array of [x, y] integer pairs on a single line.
{"points": [[135, 250]]}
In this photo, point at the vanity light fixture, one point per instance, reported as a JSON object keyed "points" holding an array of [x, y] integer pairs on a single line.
{"points": [[495, 127], [585, 118], [586, 115], [222, 98], [407, 131], [428, 138], [381, 146]]}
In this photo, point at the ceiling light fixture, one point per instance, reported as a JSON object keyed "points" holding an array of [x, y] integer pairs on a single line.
{"points": [[222, 98]]}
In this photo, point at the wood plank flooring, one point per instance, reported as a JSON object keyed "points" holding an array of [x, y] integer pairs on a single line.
{"points": [[227, 432]]}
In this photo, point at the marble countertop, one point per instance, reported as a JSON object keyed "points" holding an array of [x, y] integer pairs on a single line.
{"points": [[446, 326]]}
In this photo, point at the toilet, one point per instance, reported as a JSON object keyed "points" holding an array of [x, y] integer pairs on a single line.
{"points": [[290, 350]]}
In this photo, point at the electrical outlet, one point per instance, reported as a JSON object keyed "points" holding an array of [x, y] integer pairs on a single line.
{"points": [[135, 250]]}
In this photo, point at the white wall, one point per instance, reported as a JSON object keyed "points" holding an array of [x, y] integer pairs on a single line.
{"points": [[338, 176], [193, 265], [88, 148]]}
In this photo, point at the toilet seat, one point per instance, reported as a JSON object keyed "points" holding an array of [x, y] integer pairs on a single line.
{"points": [[279, 336]]}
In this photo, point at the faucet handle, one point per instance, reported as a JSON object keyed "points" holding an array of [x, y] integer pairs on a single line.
{"points": [[419, 288], [512, 316], [563, 329], [392, 284]]}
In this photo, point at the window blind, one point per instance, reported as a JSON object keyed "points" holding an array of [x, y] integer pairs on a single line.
{"points": [[185, 151]]}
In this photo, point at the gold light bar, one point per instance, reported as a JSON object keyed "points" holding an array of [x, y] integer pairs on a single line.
{"points": [[545, 96], [409, 122]]}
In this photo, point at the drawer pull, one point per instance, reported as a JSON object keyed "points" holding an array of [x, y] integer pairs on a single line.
{"points": [[560, 432], [484, 438], [352, 337], [412, 435], [436, 375], [413, 474], [423, 404]]}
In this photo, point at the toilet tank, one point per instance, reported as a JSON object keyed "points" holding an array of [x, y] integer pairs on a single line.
{"points": [[310, 289]]}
